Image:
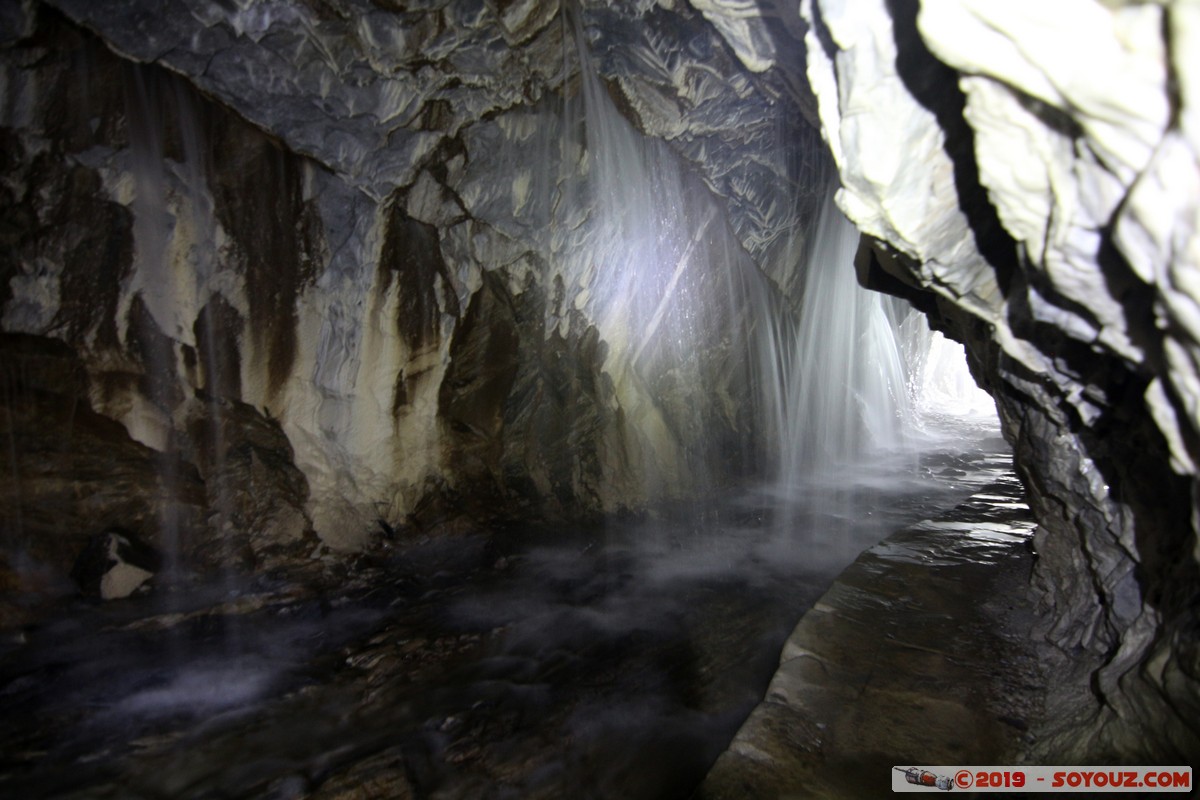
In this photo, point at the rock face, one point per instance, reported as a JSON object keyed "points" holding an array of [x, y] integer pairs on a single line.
{"points": [[68, 474], [362, 266], [115, 564], [302, 268], [1028, 175]]}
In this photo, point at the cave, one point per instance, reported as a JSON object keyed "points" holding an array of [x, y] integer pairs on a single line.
{"points": [[678, 399]]}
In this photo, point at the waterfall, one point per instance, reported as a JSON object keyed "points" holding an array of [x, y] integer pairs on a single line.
{"points": [[153, 288], [847, 396], [176, 283], [665, 277], [667, 281], [640, 257], [940, 382]]}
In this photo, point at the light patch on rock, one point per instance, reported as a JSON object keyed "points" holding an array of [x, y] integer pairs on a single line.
{"points": [[740, 24], [1114, 91], [520, 190], [903, 195], [1004, 125], [122, 580], [34, 301]]}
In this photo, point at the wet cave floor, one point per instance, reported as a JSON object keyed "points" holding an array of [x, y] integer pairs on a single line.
{"points": [[922, 654], [614, 662]]}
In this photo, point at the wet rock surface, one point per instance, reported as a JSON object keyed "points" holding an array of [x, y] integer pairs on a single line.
{"points": [[114, 564], [226, 497], [255, 492], [615, 661], [69, 474], [921, 652], [322, 210], [1007, 166], [310, 218]]}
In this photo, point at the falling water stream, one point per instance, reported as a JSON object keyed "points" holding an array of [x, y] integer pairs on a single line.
{"points": [[613, 660], [848, 394]]}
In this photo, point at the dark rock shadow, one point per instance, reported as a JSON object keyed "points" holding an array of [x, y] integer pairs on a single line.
{"points": [[935, 86]]}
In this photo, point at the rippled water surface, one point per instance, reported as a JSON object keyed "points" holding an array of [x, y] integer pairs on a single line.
{"points": [[613, 662]]}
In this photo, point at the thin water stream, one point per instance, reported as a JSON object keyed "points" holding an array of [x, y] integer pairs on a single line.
{"points": [[615, 661]]}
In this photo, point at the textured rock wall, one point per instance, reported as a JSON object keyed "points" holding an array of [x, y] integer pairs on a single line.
{"points": [[358, 261], [1028, 174], [85, 345]]}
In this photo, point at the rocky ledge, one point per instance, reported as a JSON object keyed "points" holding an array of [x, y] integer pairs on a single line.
{"points": [[901, 663]]}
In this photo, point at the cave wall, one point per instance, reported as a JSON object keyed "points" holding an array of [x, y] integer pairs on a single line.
{"points": [[351, 263], [1027, 174], [283, 269]]}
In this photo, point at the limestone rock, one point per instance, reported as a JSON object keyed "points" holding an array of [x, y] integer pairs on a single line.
{"points": [[71, 470], [256, 492], [1009, 164], [115, 564], [742, 26], [305, 209]]}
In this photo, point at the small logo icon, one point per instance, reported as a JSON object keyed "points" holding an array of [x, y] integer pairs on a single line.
{"points": [[922, 777], [964, 779]]}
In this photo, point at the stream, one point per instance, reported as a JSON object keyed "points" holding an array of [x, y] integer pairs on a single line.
{"points": [[614, 661]]}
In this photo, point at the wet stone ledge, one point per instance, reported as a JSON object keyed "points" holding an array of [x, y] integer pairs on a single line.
{"points": [[921, 653]]}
